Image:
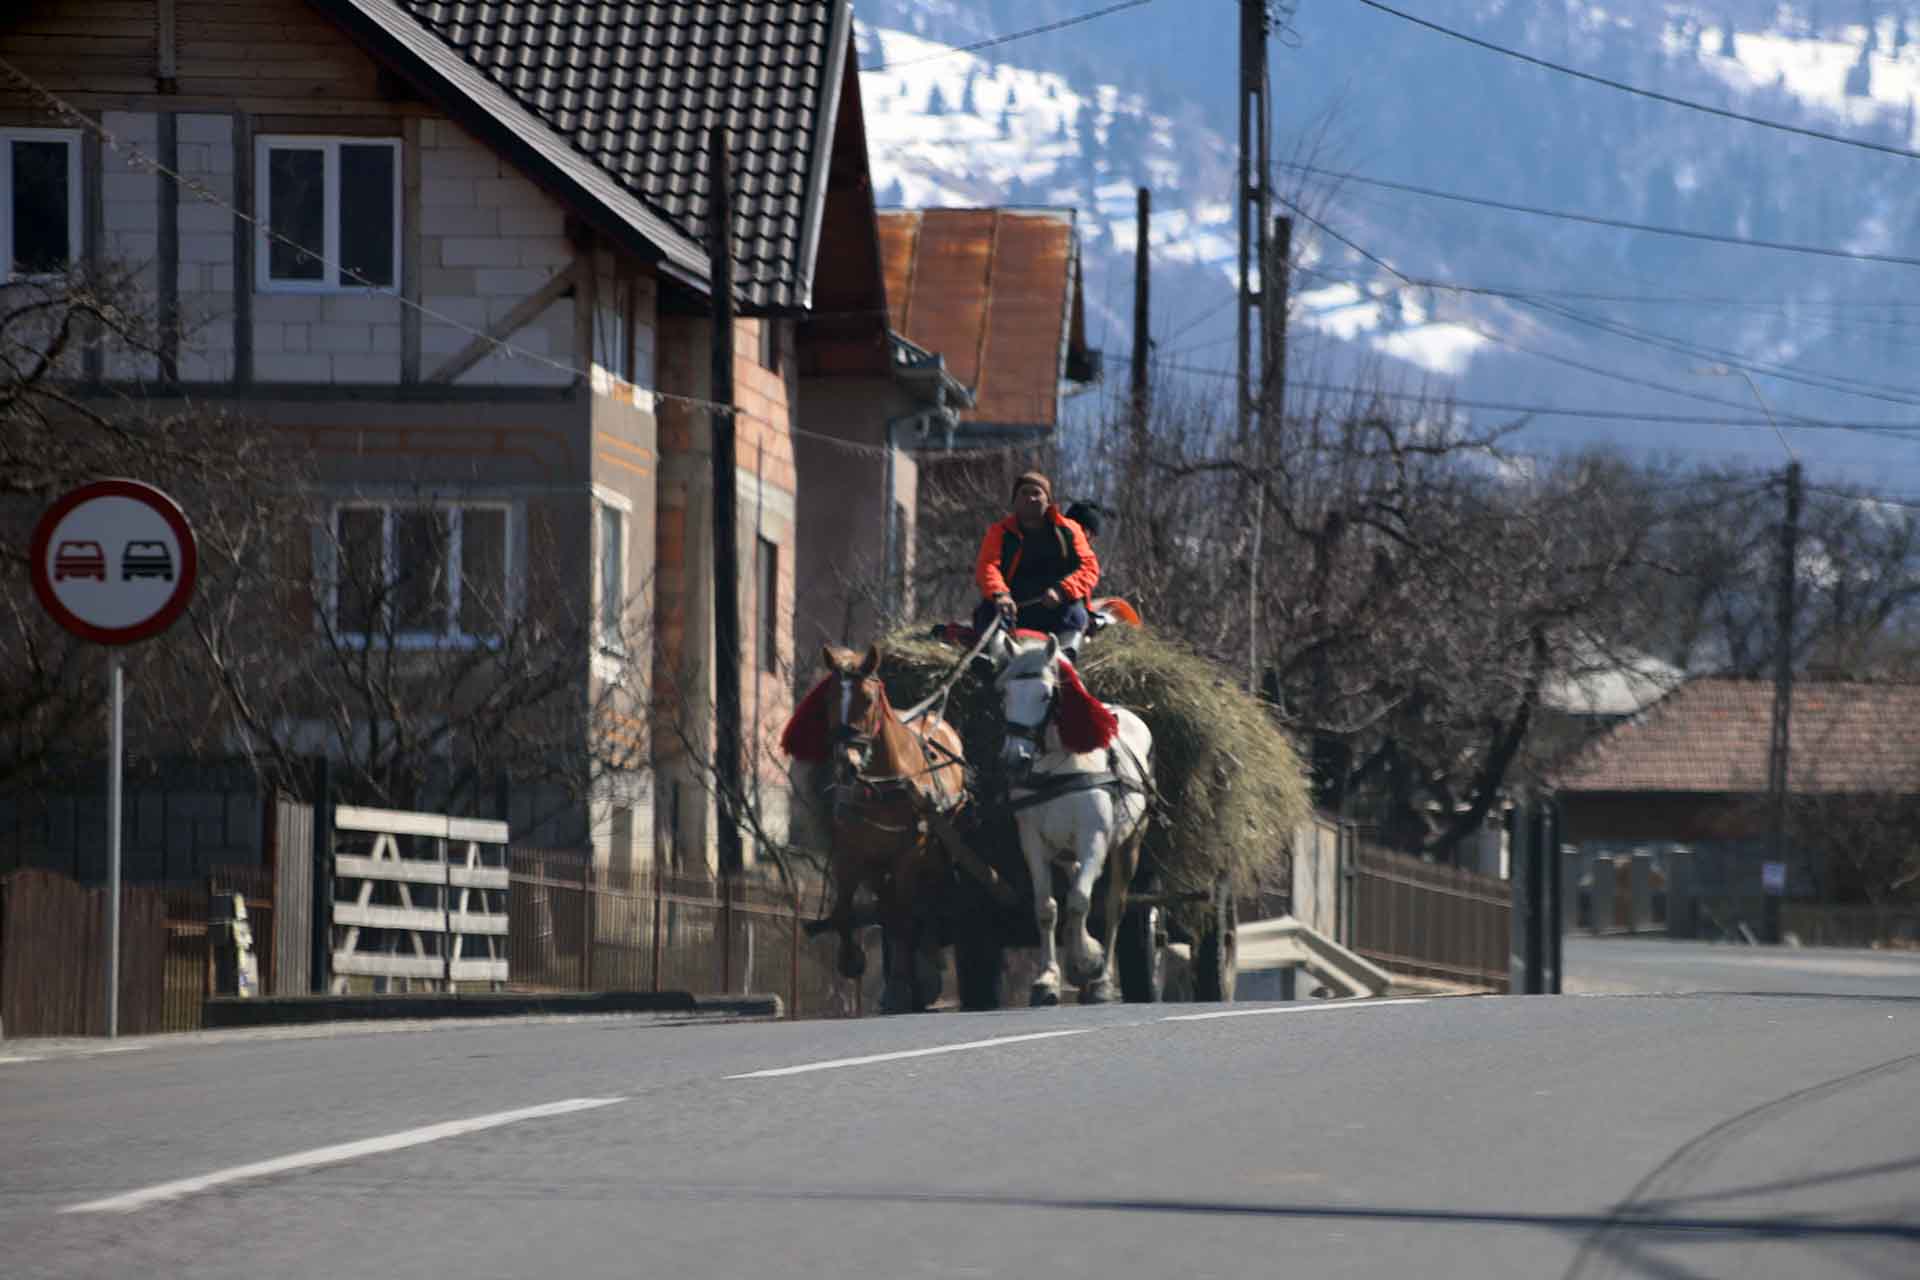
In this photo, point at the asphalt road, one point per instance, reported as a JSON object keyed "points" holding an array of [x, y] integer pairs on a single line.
{"points": [[1655, 965], [1582, 1137]]}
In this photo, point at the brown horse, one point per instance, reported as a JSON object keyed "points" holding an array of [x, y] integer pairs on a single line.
{"points": [[885, 777]]}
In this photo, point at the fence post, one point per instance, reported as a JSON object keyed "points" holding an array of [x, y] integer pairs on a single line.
{"points": [[322, 942], [793, 965], [586, 927], [659, 910], [726, 932]]}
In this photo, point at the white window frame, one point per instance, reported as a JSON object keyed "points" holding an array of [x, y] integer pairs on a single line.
{"points": [[605, 499], [8, 136], [452, 637], [329, 145]]}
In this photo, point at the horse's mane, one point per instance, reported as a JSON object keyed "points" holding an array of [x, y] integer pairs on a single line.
{"points": [[805, 737], [1085, 723]]}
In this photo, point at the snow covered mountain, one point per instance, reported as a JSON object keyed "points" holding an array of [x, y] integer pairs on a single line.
{"points": [[1605, 331]]}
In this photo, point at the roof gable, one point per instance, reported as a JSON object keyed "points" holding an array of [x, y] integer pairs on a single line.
{"points": [[611, 102], [997, 293], [1712, 735]]}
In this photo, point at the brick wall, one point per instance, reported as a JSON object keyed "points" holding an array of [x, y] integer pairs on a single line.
{"points": [[130, 220], [488, 238], [205, 265]]}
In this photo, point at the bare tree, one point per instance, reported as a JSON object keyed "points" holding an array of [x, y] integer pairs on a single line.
{"points": [[63, 423]]}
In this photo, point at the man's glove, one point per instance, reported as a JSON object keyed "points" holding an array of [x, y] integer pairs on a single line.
{"points": [[1009, 612]]}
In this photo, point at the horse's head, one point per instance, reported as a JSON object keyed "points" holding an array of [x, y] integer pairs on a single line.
{"points": [[1038, 688], [1028, 684], [856, 703]]}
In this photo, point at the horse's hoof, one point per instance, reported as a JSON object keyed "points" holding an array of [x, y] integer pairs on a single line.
{"points": [[1044, 997], [852, 959], [1084, 969], [1099, 992]]}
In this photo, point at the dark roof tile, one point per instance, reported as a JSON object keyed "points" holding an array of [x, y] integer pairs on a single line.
{"points": [[634, 86]]}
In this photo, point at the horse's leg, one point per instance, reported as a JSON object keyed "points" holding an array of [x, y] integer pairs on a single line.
{"points": [[1123, 856], [1086, 959], [1046, 983], [852, 960], [896, 913]]}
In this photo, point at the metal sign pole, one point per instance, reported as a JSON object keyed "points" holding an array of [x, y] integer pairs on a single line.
{"points": [[115, 751]]}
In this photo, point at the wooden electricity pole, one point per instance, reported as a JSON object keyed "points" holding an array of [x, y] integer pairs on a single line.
{"points": [[1253, 198], [1141, 339], [726, 551], [1778, 748]]}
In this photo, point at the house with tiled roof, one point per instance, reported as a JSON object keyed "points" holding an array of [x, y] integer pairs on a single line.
{"points": [[1690, 773], [998, 293], [459, 250]]}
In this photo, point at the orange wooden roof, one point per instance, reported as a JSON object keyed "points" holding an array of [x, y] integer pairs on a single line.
{"points": [[995, 291]]}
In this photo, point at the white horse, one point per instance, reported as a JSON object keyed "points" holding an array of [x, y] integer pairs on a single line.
{"points": [[1080, 773]]}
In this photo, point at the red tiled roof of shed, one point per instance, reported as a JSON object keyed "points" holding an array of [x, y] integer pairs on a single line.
{"points": [[1711, 736]]}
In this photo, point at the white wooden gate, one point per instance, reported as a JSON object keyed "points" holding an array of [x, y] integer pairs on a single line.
{"points": [[420, 900]]}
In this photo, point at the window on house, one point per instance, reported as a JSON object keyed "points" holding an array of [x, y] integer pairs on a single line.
{"points": [[40, 211], [420, 574], [767, 593], [612, 536], [329, 212], [770, 344]]}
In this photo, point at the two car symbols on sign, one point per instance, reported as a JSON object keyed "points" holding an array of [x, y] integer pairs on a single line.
{"points": [[83, 558]]}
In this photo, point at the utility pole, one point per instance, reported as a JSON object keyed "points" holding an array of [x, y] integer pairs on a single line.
{"points": [[1252, 204], [726, 551], [1275, 283], [1779, 748], [1272, 406], [1141, 339], [1253, 199]]}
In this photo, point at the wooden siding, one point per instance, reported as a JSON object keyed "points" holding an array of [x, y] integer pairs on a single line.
{"points": [[263, 54]]}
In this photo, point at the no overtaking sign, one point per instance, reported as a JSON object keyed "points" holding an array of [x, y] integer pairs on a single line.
{"points": [[114, 561]]}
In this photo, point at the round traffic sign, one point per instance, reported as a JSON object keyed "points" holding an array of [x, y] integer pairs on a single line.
{"points": [[114, 561]]}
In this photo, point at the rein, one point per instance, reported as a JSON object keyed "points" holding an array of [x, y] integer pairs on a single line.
{"points": [[945, 687]]}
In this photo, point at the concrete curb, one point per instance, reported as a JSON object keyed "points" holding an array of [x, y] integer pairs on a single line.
{"points": [[226, 1013]]}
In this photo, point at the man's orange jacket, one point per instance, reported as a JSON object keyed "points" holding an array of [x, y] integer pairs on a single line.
{"points": [[999, 557]]}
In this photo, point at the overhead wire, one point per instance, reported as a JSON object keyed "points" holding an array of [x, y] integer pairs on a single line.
{"points": [[1821, 135], [1009, 37], [1622, 224]]}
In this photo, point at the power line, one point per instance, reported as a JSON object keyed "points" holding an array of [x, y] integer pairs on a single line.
{"points": [[1891, 430], [1599, 221], [1731, 359], [1010, 36], [1669, 99]]}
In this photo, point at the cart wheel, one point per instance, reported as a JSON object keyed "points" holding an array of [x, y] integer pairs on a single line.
{"points": [[1142, 961], [980, 968], [1216, 959]]}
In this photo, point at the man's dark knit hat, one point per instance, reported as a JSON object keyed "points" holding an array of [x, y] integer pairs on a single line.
{"points": [[1035, 477]]}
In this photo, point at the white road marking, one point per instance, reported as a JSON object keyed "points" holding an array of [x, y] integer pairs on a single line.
{"points": [[835, 1064], [88, 1052], [1290, 1008], [345, 1151]]}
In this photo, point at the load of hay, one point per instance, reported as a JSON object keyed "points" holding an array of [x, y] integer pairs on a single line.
{"points": [[1232, 783]]}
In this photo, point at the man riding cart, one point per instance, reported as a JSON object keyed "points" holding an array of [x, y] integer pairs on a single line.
{"points": [[1036, 569]]}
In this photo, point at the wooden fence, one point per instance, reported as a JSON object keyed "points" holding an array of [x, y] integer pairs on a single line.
{"points": [[1432, 921], [53, 953], [572, 927]]}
